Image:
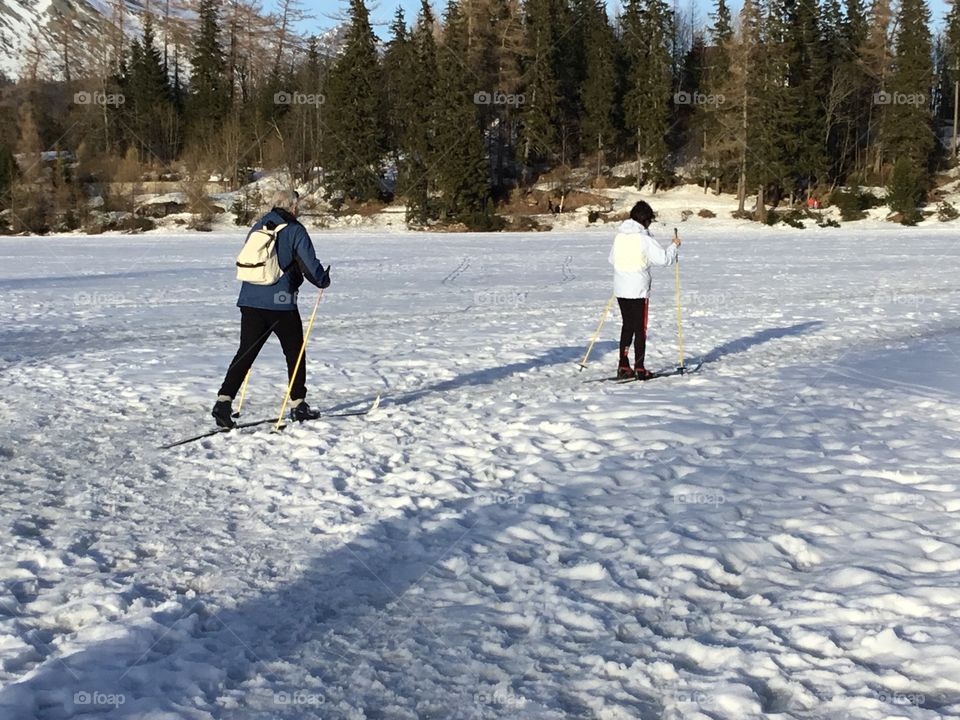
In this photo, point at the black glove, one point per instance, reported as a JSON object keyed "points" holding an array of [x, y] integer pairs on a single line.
{"points": [[324, 280]]}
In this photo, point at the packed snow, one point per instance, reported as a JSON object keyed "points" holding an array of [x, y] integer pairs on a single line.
{"points": [[774, 535]]}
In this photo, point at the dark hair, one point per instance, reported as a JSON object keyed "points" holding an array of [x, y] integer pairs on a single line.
{"points": [[642, 213]]}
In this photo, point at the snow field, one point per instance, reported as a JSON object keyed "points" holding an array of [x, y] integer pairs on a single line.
{"points": [[773, 536]]}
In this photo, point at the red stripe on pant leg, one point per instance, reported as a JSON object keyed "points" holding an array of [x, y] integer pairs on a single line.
{"points": [[646, 313]]}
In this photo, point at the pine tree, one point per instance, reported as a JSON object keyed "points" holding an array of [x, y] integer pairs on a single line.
{"points": [[721, 32], [543, 127], [461, 166], [149, 96], [908, 123], [649, 97], [354, 137], [876, 60], [806, 77], [905, 190], [397, 66], [418, 142], [503, 122], [851, 92], [598, 88], [207, 102], [712, 119]]}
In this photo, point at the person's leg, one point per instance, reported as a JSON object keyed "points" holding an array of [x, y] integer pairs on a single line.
{"points": [[289, 330], [254, 331], [626, 330], [640, 335]]}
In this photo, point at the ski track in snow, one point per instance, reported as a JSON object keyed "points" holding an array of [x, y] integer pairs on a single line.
{"points": [[774, 536]]}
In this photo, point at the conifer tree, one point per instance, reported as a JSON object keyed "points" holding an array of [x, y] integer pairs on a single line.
{"points": [[598, 88], [715, 120], [398, 66], [541, 87], [806, 77], [355, 138], [876, 60], [148, 96], [418, 140], [649, 92], [908, 123], [460, 163], [207, 102]]}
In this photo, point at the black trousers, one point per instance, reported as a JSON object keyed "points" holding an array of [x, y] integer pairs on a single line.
{"points": [[256, 326], [634, 329]]}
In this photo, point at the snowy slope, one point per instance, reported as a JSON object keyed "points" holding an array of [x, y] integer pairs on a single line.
{"points": [[18, 20], [22, 20], [774, 536]]}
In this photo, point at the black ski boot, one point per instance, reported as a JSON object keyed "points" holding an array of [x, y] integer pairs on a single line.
{"points": [[223, 414], [301, 411], [623, 369], [642, 373]]}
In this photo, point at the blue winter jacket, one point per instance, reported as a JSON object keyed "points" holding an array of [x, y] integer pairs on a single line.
{"points": [[297, 258]]}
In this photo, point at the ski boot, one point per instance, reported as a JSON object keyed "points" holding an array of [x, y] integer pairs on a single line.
{"points": [[642, 373], [301, 411], [223, 413], [623, 369]]}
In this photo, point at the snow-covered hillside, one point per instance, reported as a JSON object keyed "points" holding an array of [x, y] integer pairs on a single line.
{"points": [[22, 20], [771, 537]]}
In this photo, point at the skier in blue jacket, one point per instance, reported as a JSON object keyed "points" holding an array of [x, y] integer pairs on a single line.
{"points": [[634, 251], [272, 309]]}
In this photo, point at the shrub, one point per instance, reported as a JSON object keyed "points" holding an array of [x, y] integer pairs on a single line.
{"points": [[905, 192], [793, 218], [246, 207], [946, 211], [851, 203]]}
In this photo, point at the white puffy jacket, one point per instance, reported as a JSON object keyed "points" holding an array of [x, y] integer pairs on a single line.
{"points": [[634, 251]]}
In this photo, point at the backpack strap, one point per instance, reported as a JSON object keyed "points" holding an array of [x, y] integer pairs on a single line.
{"points": [[276, 231]]}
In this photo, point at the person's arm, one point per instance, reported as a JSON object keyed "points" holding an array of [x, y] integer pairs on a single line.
{"points": [[306, 259], [656, 255]]}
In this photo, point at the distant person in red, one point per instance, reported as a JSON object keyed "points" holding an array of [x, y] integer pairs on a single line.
{"points": [[634, 251]]}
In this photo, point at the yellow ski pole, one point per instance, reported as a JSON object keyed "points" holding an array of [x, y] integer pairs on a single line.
{"points": [[603, 319], [682, 368], [303, 349], [243, 393]]}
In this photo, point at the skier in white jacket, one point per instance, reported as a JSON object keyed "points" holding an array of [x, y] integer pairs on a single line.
{"points": [[634, 251]]}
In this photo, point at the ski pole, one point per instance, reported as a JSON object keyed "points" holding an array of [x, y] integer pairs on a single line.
{"points": [[303, 349], [681, 368], [603, 319], [243, 393]]}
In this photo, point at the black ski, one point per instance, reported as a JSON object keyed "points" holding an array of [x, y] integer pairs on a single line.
{"points": [[256, 423], [662, 373], [687, 370]]}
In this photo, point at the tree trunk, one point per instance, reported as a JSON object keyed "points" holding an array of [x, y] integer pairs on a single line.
{"points": [[761, 205]]}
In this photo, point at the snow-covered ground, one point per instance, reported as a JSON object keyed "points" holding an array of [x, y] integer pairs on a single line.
{"points": [[774, 536]]}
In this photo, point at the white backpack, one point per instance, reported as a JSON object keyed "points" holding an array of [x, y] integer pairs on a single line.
{"points": [[257, 263]]}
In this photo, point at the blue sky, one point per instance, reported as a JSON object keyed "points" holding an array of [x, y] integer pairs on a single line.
{"points": [[326, 12]]}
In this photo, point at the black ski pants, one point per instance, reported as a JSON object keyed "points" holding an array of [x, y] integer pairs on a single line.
{"points": [[256, 326], [634, 329]]}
